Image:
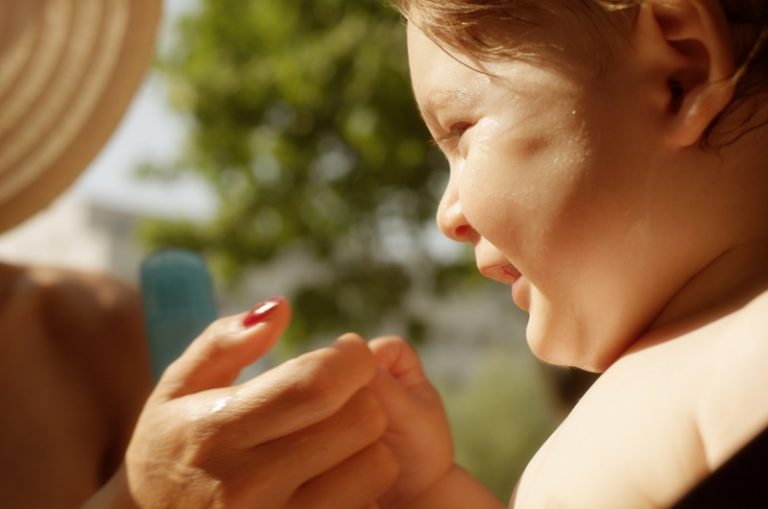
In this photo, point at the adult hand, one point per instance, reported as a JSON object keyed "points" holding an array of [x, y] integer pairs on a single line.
{"points": [[302, 435], [418, 432]]}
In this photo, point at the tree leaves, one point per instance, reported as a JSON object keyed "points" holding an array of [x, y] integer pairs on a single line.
{"points": [[304, 126]]}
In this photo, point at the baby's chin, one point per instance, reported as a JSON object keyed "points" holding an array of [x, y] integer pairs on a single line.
{"points": [[563, 337]]}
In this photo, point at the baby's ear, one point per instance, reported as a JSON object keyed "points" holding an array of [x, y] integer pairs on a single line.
{"points": [[685, 52]]}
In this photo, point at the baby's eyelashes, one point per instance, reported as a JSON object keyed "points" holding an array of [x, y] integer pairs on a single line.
{"points": [[453, 135]]}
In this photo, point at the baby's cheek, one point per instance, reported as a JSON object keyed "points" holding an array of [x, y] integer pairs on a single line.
{"points": [[504, 184], [488, 195]]}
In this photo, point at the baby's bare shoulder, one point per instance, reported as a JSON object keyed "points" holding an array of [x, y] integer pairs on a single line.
{"points": [[630, 442], [751, 320], [732, 407], [664, 415]]}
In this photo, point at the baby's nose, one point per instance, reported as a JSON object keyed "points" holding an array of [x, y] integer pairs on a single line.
{"points": [[451, 219]]}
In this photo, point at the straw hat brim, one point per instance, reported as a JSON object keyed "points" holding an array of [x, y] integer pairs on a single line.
{"points": [[68, 71]]}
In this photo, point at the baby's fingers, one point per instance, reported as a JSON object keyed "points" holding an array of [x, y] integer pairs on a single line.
{"points": [[400, 360]]}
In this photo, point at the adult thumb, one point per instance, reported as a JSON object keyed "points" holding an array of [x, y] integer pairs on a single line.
{"points": [[224, 348]]}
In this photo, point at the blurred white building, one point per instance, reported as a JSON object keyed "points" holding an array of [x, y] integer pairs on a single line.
{"points": [[76, 234]]}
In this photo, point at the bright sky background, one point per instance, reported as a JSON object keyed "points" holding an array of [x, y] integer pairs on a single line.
{"points": [[149, 131]]}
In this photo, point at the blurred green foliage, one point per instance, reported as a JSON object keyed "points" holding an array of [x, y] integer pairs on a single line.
{"points": [[304, 125]]}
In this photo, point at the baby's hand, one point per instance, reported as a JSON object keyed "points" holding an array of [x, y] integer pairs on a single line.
{"points": [[418, 432], [302, 435]]}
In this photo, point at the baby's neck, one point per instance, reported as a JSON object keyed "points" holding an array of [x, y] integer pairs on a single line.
{"points": [[727, 283], [735, 268]]}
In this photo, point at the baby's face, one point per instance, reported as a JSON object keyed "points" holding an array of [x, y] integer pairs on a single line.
{"points": [[549, 181]]}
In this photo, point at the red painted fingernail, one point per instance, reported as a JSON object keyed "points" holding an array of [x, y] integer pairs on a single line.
{"points": [[262, 311]]}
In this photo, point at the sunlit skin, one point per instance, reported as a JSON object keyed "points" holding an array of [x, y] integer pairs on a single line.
{"points": [[550, 180], [635, 251], [73, 376]]}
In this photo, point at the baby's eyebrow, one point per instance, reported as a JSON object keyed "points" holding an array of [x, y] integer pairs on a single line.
{"points": [[439, 99]]}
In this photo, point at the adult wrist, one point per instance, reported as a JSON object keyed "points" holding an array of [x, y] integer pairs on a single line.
{"points": [[115, 494]]}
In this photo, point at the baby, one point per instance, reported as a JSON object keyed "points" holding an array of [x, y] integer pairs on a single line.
{"points": [[607, 161]]}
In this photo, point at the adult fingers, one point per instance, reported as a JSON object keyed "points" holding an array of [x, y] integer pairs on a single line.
{"points": [[309, 452], [354, 484], [300, 392], [271, 473], [228, 345]]}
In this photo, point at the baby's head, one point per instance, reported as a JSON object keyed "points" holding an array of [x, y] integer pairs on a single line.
{"points": [[577, 136], [552, 28]]}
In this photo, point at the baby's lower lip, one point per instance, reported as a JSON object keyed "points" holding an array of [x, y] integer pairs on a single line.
{"points": [[511, 273]]}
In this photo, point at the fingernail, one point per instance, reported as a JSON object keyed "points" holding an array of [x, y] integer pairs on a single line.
{"points": [[262, 311]]}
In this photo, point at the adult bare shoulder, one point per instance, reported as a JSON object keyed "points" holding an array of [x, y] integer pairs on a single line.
{"points": [[73, 354], [98, 319]]}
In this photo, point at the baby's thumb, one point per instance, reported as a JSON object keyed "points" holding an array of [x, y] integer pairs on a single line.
{"points": [[228, 345]]}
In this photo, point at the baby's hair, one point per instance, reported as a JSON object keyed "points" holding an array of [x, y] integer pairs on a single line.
{"points": [[477, 28]]}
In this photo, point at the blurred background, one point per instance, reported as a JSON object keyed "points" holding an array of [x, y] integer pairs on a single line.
{"points": [[280, 139]]}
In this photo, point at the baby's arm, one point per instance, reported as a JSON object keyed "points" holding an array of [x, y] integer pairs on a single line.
{"points": [[456, 490], [419, 436]]}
